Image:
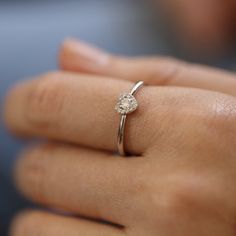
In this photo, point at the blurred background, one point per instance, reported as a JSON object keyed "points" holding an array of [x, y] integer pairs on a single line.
{"points": [[31, 32]]}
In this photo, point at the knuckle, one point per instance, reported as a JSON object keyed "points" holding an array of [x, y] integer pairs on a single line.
{"points": [[183, 196], [206, 121], [27, 223], [178, 197], [222, 117], [46, 99], [225, 109], [168, 70]]}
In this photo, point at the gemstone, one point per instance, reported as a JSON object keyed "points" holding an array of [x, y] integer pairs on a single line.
{"points": [[126, 104]]}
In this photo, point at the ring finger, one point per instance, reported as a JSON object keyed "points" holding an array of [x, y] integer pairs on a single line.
{"points": [[75, 108], [79, 108]]}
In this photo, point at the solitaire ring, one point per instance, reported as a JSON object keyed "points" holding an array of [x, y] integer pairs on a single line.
{"points": [[126, 104]]}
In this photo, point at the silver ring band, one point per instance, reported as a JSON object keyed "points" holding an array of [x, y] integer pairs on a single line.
{"points": [[125, 105]]}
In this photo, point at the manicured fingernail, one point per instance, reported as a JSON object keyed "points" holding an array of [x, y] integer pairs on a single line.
{"points": [[86, 53]]}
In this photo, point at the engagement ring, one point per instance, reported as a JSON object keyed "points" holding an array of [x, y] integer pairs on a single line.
{"points": [[126, 104]]}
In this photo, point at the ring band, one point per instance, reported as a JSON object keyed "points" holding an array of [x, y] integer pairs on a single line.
{"points": [[126, 104]]}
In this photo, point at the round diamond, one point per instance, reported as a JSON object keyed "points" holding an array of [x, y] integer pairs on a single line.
{"points": [[126, 104]]}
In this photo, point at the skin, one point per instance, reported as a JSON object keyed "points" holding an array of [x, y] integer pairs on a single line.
{"points": [[180, 178]]}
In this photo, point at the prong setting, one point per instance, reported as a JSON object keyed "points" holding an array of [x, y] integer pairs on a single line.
{"points": [[126, 104]]}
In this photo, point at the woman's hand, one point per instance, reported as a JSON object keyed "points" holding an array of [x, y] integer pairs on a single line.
{"points": [[181, 180]]}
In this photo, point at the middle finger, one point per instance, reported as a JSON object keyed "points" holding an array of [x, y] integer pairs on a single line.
{"points": [[87, 182]]}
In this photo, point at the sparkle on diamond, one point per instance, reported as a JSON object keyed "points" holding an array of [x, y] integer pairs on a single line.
{"points": [[126, 104]]}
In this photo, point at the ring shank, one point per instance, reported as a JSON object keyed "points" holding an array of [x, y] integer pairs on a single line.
{"points": [[136, 87], [120, 143], [121, 130]]}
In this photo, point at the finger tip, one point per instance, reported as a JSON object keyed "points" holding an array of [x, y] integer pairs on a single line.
{"points": [[23, 222], [25, 172], [72, 45], [67, 55], [7, 104], [81, 56], [12, 112]]}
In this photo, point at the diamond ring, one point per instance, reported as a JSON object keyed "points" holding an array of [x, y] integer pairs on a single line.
{"points": [[126, 104]]}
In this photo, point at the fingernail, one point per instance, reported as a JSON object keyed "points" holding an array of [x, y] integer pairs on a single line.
{"points": [[85, 53]]}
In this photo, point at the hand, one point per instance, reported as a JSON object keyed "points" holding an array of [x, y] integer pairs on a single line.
{"points": [[181, 180]]}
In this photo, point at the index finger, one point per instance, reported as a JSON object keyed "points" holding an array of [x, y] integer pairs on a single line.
{"points": [[81, 57]]}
